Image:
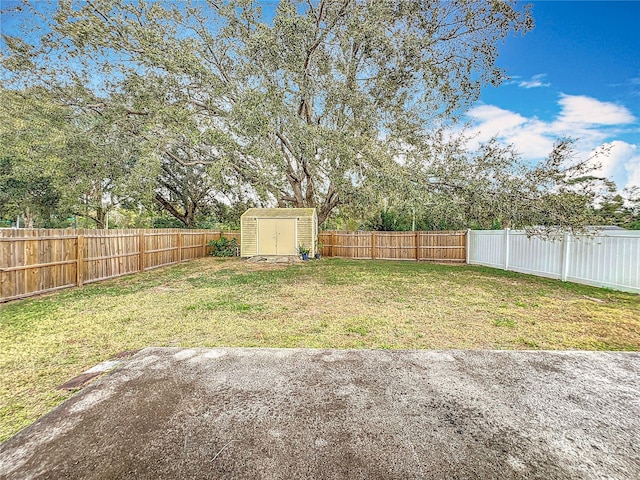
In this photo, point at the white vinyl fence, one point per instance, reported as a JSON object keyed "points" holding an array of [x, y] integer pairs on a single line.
{"points": [[610, 259]]}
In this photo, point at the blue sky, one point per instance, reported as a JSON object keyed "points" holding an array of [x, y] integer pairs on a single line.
{"points": [[576, 74]]}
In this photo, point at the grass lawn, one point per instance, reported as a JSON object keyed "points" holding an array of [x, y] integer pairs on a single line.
{"points": [[331, 303]]}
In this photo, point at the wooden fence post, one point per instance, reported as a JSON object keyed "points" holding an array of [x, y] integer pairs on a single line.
{"points": [[417, 240], [80, 260], [332, 240], [373, 245], [204, 243], [179, 246], [141, 249]]}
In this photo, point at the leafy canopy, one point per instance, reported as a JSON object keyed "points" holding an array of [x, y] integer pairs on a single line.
{"points": [[307, 106]]}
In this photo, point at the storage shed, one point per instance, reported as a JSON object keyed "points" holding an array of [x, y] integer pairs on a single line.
{"points": [[277, 231]]}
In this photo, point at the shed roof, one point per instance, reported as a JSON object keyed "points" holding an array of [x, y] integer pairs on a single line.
{"points": [[279, 212]]}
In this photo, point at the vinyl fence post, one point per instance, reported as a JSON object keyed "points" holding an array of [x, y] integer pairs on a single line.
{"points": [[506, 248], [467, 252], [566, 241]]}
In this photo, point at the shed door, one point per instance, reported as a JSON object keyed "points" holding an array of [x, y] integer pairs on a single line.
{"points": [[267, 237], [286, 244], [276, 236]]}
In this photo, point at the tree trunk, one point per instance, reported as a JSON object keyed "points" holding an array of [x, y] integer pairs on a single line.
{"points": [[28, 218], [101, 215], [187, 218], [331, 201], [190, 215]]}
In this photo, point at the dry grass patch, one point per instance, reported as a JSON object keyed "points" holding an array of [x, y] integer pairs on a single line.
{"points": [[330, 304]]}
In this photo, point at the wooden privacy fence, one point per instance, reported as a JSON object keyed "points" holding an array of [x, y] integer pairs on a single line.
{"points": [[442, 246], [40, 261]]}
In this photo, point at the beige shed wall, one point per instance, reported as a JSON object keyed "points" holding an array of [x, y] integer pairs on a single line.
{"points": [[248, 236], [306, 233]]}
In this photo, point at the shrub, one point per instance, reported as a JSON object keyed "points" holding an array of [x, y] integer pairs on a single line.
{"points": [[223, 247]]}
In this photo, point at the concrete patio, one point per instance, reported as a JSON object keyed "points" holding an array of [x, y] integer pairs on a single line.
{"points": [[247, 413]]}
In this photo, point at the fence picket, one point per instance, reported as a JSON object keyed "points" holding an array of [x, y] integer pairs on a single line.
{"points": [[38, 261], [439, 246]]}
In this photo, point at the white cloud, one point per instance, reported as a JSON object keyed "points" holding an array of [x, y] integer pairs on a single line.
{"points": [[594, 123], [510, 80], [578, 110], [632, 166], [528, 134], [615, 159], [496, 121], [534, 82], [532, 141]]}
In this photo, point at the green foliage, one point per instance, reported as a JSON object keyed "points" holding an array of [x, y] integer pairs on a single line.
{"points": [[494, 188], [165, 221], [224, 247], [303, 250], [389, 221], [622, 210], [338, 106], [28, 195], [633, 225], [86, 162], [185, 191], [310, 107]]}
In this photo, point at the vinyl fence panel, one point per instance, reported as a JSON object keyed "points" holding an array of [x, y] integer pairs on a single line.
{"points": [[487, 247], [610, 259], [534, 255]]}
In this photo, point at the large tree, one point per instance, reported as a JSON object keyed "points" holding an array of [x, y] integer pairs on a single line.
{"points": [[32, 133], [78, 156], [30, 197], [308, 105]]}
